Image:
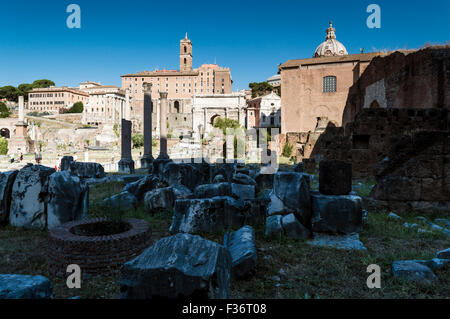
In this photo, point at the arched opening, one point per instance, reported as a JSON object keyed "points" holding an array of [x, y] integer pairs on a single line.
{"points": [[375, 105], [4, 132], [185, 61], [214, 119], [185, 49], [176, 106]]}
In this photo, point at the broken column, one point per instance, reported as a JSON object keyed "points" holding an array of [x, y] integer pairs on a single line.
{"points": [[20, 142], [126, 164], [163, 127], [147, 159]]}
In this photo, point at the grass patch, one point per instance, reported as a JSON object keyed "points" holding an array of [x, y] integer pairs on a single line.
{"points": [[305, 272]]}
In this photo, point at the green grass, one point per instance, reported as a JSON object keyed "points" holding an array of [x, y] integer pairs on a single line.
{"points": [[308, 272]]}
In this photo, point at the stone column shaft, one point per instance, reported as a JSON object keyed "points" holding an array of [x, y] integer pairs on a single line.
{"points": [[163, 126], [147, 159], [126, 164]]}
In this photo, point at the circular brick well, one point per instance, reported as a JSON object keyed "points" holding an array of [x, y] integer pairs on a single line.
{"points": [[78, 243]]}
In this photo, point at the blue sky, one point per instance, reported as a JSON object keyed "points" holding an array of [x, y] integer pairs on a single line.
{"points": [[252, 37]]}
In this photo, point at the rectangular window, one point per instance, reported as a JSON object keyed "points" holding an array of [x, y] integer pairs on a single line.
{"points": [[329, 84]]}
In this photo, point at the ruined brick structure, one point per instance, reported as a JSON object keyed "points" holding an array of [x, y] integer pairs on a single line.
{"points": [[397, 94], [366, 141], [415, 175]]}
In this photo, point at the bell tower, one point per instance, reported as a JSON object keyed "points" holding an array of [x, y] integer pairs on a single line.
{"points": [[185, 55]]}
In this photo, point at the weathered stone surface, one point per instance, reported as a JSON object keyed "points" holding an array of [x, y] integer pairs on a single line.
{"points": [[241, 245], [264, 181], [294, 191], [178, 266], [273, 226], [185, 174], [218, 179], [212, 190], [159, 199], [443, 221], [65, 163], [444, 254], [298, 168], [207, 215], [293, 228], [243, 192], [29, 196], [124, 201], [25, 287], [87, 170], [435, 263], [394, 216], [276, 206], [68, 199], [142, 186], [6, 184], [240, 178], [336, 214], [227, 170], [335, 177], [181, 191], [413, 271], [255, 211], [344, 242]]}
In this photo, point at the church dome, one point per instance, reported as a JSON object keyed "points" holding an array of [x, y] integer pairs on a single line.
{"points": [[331, 46]]}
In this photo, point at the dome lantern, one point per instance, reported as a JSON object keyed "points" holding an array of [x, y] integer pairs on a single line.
{"points": [[331, 46]]}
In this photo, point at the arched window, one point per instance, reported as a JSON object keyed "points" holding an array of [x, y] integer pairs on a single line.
{"points": [[177, 106], [329, 84], [185, 49], [185, 61]]}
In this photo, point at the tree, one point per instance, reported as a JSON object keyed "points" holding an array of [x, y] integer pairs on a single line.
{"points": [[261, 88], [4, 111], [76, 108], [42, 84], [138, 140], [226, 123], [24, 89], [3, 146], [9, 92]]}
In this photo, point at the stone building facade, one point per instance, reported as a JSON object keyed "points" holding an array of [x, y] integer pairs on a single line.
{"points": [[207, 109], [54, 99], [181, 85], [264, 111]]}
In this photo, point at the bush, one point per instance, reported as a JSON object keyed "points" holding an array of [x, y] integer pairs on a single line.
{"points": [[76, 108], [138, 140], [4, 111], [226, 123], [287, 150], [3, 146]]}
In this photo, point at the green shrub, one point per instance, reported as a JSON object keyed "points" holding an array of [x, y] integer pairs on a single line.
{"points": [[4, 111], [3, 146], [138, 140], [287, 150]]}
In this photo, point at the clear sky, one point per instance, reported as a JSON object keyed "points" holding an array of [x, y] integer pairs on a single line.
{"points": [[252, 37]]}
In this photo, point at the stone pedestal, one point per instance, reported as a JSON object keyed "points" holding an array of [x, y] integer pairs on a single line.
{"points": [[163, 127], [147, 159], [126, 164], [20, 142]]}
